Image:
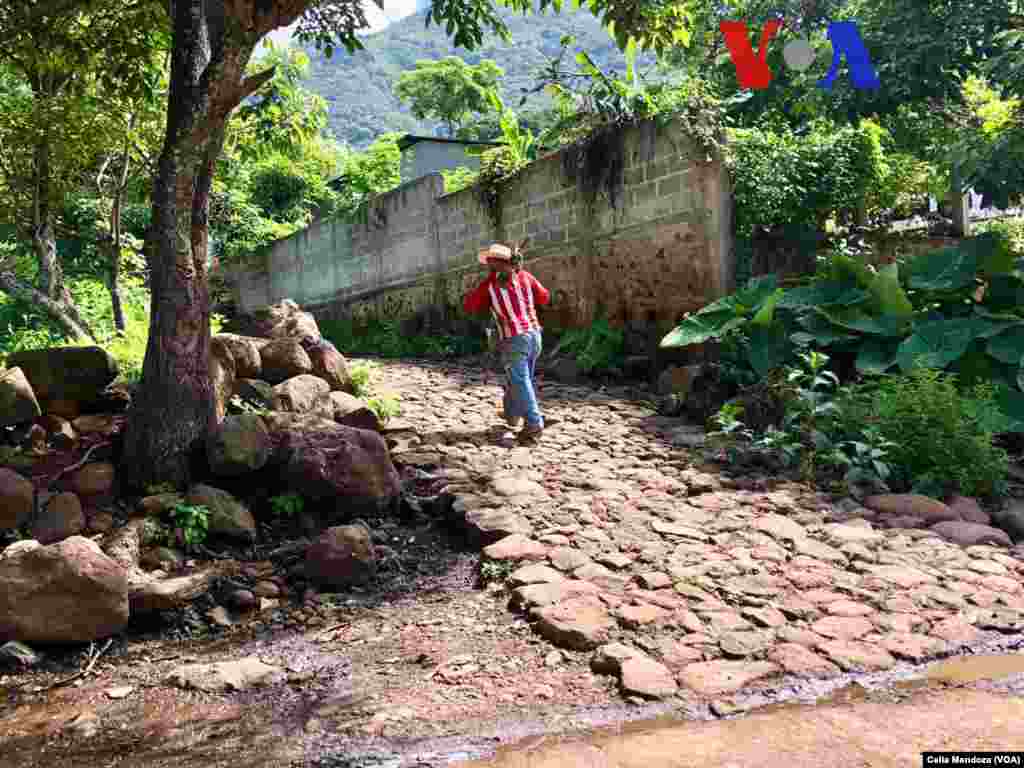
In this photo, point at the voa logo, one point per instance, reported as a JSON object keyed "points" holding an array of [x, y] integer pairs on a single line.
{"points": [[752, 68]]}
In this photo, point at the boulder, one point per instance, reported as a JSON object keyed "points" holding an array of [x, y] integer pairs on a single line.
{"points": [[969, 510], [324, 460], [1010, 519], [17, 499], [283, 320], [910, 505], [69, 592], [66, 373], [303, 394], [329, 364], [284, 359], [93, 479], [353, 412], [18, 403], [257, 393], [222, 376], [60, 518], [238, 445], [341, 557], [245, 351], [971, 534], [229, 517]]}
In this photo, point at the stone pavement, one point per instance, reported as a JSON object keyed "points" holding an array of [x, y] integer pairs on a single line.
{"points": [[616, 542]]}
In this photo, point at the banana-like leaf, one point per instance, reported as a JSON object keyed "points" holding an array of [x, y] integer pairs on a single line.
{"points": [[888, 295], [770, 347], [1008, 346], [937, 344], [876, 355], [856, 319], [822, 293], [944, 269]]}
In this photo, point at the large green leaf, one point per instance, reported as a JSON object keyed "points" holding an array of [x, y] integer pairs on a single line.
{"points": [[696, 329], [723, 315], [876, 355], [822, 293], [888, 295], [992, 253], [770, 348], [818, 329], [1008, 346], [937, 344], [1005, 293], [858, 320], [944, 269], [850, 271], [1011, 403], [766, 314]]}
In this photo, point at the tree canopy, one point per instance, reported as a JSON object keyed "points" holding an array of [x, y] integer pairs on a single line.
{"points": [[449, 90]]}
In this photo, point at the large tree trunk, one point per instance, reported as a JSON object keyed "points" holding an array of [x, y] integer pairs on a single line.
{"points": [[174, 406]]}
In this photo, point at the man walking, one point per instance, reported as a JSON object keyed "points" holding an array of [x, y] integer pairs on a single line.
{"points": [[512, 294]]}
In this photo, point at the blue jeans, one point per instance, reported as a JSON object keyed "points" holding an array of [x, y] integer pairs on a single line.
{"points": [[519, 357]]}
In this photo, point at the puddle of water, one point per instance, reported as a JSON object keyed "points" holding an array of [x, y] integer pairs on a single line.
{"points": [[660, 742], [974, 669]]}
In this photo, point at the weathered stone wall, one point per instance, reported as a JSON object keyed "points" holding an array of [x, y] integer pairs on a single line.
{"points": [[664, 249]]}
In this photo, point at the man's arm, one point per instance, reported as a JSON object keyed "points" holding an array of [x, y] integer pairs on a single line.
{"points": [[477, 300], [541, 295]]}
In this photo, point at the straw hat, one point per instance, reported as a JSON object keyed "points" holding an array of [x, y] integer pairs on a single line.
{"points": [[496, 251]]}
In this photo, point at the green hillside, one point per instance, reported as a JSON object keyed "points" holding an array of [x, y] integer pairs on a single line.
{"points": [[358, 87]]}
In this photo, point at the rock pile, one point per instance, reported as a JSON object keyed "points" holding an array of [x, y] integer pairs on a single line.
{"points": [[286, 410]]}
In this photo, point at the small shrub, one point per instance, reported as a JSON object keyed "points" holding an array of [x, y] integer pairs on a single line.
{"points": [[940, 438], [495, 570], [361, 374], [191, 522], [155, 533], [287, 505], [598, 348], [385, 407]]}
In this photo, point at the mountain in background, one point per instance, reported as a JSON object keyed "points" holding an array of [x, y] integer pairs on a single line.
{"points": [[359, 87]]}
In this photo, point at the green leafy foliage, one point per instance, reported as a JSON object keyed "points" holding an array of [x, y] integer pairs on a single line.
{"points": [[288, 505], [782, 179], [449, 90], [941, 436], [361, 375], [384, 406], [457, 179], [384, 338], [937, 311], [598, 348], [191, 523]]}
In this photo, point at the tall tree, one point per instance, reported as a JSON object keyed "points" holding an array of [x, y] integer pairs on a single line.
{"points": [[213, 41], [449, 90], [57, 123]]}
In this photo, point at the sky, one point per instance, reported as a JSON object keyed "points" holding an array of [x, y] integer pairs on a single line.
{"points": [[393, 11]]}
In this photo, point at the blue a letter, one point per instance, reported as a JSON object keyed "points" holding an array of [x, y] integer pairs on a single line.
{"points": [[845, 37]]}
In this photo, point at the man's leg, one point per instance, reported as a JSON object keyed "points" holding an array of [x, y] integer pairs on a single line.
{"points": [[534, 419], [515, 356]]}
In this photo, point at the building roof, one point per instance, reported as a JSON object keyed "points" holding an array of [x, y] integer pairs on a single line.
{"points": [[409, 139]]}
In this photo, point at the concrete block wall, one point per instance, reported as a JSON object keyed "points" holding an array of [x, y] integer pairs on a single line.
{"points": [[664, 249]]}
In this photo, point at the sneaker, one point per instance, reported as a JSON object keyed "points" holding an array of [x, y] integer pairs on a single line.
{"points": [[515, 422], [531, 433]]}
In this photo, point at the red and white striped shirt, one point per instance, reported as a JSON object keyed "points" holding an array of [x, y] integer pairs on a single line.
{"points": [[514, 304]]}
